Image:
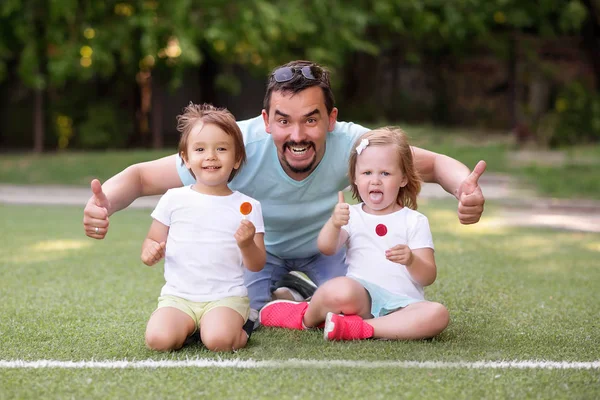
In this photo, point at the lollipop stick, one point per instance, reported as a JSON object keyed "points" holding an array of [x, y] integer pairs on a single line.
{"points": [[382, 230]]}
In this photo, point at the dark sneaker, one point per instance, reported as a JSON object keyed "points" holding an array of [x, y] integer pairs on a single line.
{"points": [[346, 327], [252, 323], [298, 283], [194, 338], [283, 314]]}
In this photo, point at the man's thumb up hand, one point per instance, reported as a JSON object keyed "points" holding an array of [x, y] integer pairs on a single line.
{"points": [[95, 213], [470, 197]]}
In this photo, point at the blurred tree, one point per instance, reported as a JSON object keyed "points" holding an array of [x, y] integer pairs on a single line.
{"points": [[62, 44], [82, 54], [432, 32], [591, 35], [19, 23], [458, 26]]}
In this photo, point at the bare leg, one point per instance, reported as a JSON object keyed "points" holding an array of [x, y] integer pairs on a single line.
{"points": [[417, 321], [284, 293], [221, 330], [168, 328], [341, 296]]}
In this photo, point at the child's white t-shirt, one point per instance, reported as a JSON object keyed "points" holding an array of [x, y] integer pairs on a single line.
{"points": [[203, 261], [295, 211], [366, 250]]}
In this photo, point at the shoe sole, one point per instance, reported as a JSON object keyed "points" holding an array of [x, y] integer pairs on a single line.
{"points": [[303, 278], [296, 281], [329, 326], [273, 302]]}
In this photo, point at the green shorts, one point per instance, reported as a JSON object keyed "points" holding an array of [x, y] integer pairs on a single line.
{"points": [[196, 310]]}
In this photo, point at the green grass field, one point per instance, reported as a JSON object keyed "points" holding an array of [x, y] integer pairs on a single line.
{"points": [[514, 295]]}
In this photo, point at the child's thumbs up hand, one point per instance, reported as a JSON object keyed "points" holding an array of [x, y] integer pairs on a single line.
{"points": [[341, 212]]}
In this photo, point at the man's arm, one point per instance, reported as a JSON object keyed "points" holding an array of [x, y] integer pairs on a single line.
{"points": [[143, 179], [456, 179]]}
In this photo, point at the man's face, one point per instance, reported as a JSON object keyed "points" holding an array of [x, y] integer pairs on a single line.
{"points": [[299, 124]]}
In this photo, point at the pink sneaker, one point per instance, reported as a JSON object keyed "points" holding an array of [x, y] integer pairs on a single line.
{"points": [[283, 314], [346, 327]]}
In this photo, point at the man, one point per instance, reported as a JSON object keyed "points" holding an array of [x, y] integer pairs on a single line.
{"points": [[297, 162]]}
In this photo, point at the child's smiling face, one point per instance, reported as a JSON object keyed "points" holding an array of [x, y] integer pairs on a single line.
{"points": [[211, 157]]}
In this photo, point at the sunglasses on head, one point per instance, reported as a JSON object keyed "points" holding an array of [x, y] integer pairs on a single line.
{"points": [[285, 74]]}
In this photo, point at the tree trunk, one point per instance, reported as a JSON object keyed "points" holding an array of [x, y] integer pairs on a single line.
{"points": [[512, 98], [157, 113], [209, 70], [441, 106], [591, 38], [39, 118], [38, 121]]}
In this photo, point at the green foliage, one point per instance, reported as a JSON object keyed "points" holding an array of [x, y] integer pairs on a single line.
{"points": [[81, 40], [103, 127], [62, 43], [261, 34], [576, 116], [127, 36], [434, 26], [66, 44]]}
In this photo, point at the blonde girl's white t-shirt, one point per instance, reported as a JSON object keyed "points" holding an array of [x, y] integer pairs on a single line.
{"points": [[366, 250], [203, 261]]}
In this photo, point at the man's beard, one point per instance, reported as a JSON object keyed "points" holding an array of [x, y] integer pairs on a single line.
{"points": [[300, 170]]}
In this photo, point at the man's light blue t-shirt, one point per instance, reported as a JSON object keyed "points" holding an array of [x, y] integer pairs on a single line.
{"points": [[294, 211]]}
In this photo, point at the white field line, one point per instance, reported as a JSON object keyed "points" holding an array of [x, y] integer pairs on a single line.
{"points": [[296, 363]]}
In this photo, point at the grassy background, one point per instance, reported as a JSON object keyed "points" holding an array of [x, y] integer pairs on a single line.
{"points": [[572, 172], [566, 173], [513, 294], [70, 168]]}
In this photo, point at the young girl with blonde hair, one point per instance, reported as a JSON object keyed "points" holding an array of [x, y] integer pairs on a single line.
{"points": [[389, 254]]}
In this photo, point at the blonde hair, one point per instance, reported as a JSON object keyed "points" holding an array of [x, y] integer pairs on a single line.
{"points": [[219, 117], [389, 135]]}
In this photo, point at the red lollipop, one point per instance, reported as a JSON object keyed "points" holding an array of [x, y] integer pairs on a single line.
{"points": [[381, 230]]}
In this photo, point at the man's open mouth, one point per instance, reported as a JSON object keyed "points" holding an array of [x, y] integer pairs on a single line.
{"points": [[299, 149]]}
